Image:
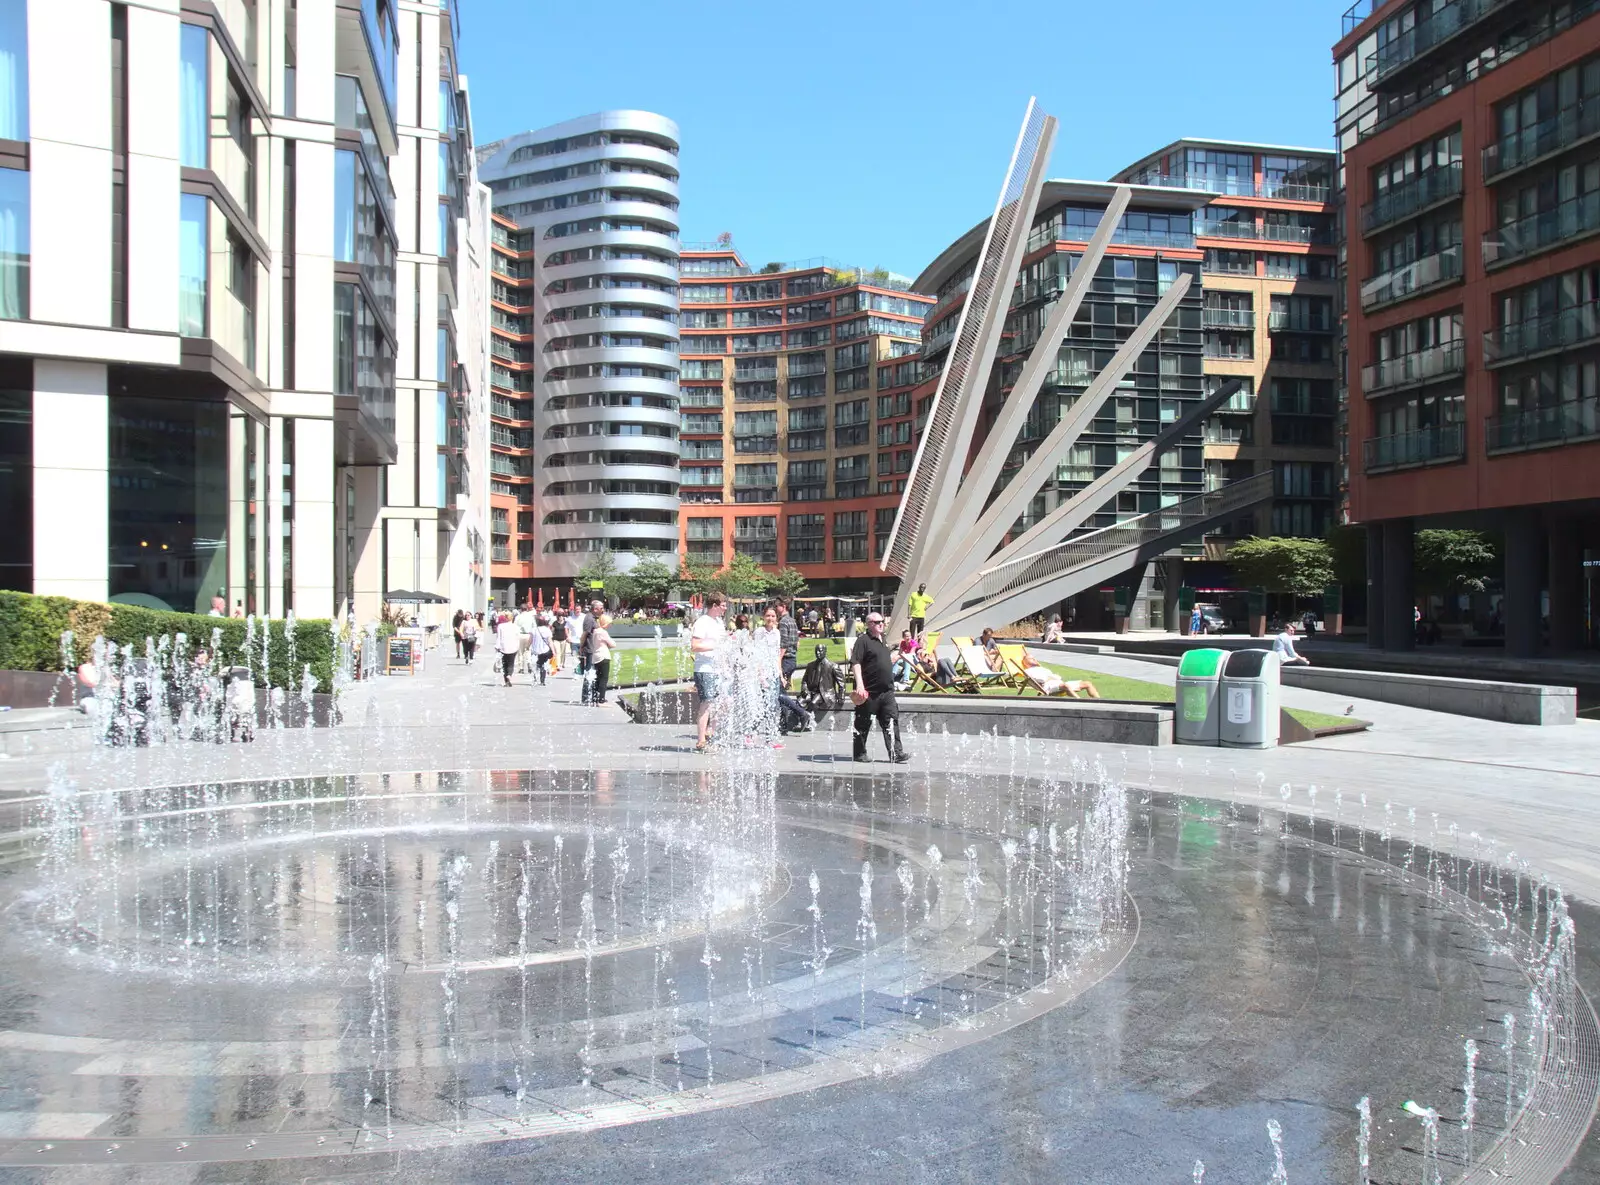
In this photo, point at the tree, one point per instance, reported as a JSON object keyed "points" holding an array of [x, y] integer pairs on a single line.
{"points": [[695, 579], [1453, 561], [602, 566], [650, 578], [788, 582], [744, 579], [1348, 546], [1299, 567]]}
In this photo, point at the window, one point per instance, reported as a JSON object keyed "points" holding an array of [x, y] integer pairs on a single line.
{"points": [[194, 214], [850, 536], [194, 51], [444, 229], [806, 543], [757, 538]]}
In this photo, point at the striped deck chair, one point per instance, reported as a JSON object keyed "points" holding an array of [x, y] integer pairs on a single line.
{"points": [[974, 663]]}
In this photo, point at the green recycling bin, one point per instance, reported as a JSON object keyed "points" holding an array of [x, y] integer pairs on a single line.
{"points": [[1197, 721], [1249, 700]]}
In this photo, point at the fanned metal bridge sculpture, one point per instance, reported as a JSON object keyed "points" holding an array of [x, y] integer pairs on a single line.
{"points": [[951, 529]]}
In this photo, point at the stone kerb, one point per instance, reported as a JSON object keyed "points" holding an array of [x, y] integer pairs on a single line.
{"points": [[1051, 719]]}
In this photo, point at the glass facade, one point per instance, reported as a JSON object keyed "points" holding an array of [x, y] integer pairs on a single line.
{"points": [[363, 356], [14, 244], [16, 480], [14, 70], [194, 213], [168, 502]]}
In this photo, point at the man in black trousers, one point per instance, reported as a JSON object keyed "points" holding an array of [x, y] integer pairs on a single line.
{"points": [[874, 692]]}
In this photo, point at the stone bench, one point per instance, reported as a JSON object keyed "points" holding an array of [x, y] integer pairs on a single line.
{"points": [[1114, 723]]}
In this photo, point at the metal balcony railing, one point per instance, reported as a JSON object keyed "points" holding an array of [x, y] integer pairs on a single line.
{"points": [[1427, 34], [1571, 219], [1418, 276], [1558, 423], [1566, 128], [1540, 335], [1425, 446], [1215, 318], [1126, 536], [1426, 189], [1414, 369]]}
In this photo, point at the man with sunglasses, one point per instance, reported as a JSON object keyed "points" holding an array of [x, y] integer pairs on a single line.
{"points": [[874, 692]]}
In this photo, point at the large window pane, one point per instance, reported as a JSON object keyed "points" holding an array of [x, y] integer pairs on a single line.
{"points": [[16, 480], [345, 179], [444, 229], [344, 339], [14, 244], [194, 212], [14, 70], [194, 50], [168, 501]]}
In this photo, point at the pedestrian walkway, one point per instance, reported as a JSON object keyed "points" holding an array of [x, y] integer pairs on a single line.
{"points": [[1535, 791]]}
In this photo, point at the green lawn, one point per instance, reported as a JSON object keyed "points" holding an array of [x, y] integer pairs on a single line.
{"points": [[672, 664]]}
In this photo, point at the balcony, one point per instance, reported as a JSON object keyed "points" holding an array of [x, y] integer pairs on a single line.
{"points": [[1542, 335], [1416, 43], [1437, 445], [1558, 423], [1414, 370], [1216, 318], [1410, 198], [1565, 129], [1573, 219], [1296, 191], [1422, 275], [1299, 321], [1227, 230], [1299, 404], [1288, 232]]}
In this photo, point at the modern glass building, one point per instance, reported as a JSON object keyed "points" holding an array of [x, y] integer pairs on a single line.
{"points": [[1268, 318], [201, 306], [797, 426], [584, 345], [1154, 244], [1470, 134]]}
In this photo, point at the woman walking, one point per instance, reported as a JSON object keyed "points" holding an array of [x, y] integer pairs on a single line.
{"points": [[600, 652], [469, 637], [539, 645], [558, 639], [455, 628]]}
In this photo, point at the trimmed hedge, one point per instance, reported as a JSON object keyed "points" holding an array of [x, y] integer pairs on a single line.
{"points": [[31, 628]]}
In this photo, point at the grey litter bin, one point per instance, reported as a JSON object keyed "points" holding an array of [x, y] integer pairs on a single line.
{"points": [[1197, 720], [1248, 700]]}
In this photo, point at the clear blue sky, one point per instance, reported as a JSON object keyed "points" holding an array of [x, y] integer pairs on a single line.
{"points": [[876, 132]]}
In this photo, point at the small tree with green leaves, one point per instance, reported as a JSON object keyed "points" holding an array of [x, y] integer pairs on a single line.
{"points": [[744, 579], [1453, 561], [650, 579], [787, 582], [602, 566], [695, 578], [1296, 567]]}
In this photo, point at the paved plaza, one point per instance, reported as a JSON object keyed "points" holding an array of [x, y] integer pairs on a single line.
{"points": [[329, 979]]}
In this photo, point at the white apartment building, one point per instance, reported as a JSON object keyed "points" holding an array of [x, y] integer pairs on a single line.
{"points": [[217, 240]]}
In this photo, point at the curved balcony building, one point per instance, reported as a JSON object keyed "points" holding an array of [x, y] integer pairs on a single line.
{"points": [[585, 347]]}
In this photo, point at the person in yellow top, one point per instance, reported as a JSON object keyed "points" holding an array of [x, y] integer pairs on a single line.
{"points": [[918, 604]]}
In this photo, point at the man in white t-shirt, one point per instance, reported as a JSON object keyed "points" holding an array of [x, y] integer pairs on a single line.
{"points": [[705, 641], [508, 644]]}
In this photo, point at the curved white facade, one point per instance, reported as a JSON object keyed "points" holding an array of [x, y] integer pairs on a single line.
{"points": [[600, 195]]}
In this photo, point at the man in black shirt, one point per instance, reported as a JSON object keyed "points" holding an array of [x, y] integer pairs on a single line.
{"points": [[585, 647], [874, 692]]}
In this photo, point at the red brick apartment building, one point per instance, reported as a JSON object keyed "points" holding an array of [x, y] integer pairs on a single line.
{"points": [[1470, 133]]}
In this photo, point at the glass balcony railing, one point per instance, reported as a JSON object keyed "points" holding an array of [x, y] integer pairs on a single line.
{"points": [[1301, 404], [1299, 321], [1425, 446], [1540, 335], [1213, 318], [1414, 369], [1227, 230], [1412, 197], [1420, 275], [1572, 219], [1566, 128], [1289, 232], [1558, 423], [1295, 191], [1434, 31]]}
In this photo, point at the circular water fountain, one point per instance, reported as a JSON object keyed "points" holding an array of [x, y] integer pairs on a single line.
{"points": [[432, 963]]}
